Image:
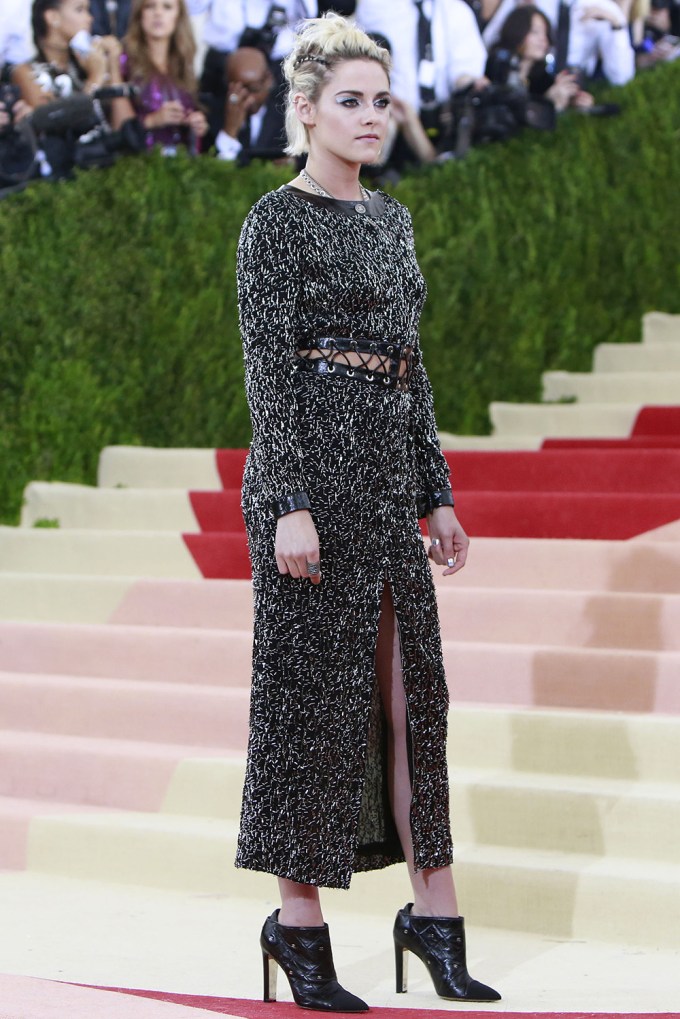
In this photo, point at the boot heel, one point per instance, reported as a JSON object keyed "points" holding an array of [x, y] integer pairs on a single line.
{"points": [[270, 969], [401, 966]]}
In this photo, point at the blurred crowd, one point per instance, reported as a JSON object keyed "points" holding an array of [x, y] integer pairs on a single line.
{"points": [[84, 80]]}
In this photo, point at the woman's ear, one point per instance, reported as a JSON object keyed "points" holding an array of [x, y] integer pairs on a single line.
{"points": [[305, 111]]}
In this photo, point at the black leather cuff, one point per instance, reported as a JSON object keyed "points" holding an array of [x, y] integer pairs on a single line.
{"points": [[428, 501], [289, 504]]}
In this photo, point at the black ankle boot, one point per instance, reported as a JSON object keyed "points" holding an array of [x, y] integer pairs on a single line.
{"points": [[306, 957], [439, 941]]}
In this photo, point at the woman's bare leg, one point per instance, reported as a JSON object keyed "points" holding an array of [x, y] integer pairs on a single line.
{"points": [[434, 892], [300, 905]]}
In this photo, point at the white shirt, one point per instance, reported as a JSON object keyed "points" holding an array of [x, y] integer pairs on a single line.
{"points": [[228, 147], [226, 20], [457, 47], [588, 40], [15, 34]]}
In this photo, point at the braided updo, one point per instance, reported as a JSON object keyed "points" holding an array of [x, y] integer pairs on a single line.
{"points": [[321, 44]]}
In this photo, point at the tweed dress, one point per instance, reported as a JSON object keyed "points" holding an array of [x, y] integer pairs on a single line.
{"points": [[315, 806]]}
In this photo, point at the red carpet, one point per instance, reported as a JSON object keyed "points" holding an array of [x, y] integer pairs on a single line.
{"points": [[287, 1010], [607, 489]]}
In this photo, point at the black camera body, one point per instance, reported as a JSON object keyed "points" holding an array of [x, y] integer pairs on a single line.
{"points": [[9, 96], [263, 38]]}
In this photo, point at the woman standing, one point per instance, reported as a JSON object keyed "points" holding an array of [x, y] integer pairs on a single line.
{"points": [[346, 760]]}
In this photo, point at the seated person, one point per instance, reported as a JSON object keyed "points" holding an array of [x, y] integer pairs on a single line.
{"points": [[158, 58], [519, 60], [68, 59], [588, 36], [251, 124], [661, 34], [264, 24], [436, 50]]}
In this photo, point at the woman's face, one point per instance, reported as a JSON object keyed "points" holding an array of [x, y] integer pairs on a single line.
{"points": [[72, 16], [159, 18], [536, 43], [349, 119]]}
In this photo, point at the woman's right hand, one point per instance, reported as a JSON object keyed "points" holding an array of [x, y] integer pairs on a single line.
{"points": [[297, 545], [563, 91]]}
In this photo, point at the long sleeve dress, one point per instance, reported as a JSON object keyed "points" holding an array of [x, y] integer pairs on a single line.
{"points": [[361, 450]]}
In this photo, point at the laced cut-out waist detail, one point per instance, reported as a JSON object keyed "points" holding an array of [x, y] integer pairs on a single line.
{"points": [[388, 363]]}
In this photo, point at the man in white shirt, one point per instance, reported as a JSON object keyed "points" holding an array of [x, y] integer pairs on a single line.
{"points": [[16, 50], [226, 20], [598, 31], [458, 55], [252, 125]]}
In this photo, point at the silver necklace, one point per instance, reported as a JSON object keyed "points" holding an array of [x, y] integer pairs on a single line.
{"points": [[315, 186]]}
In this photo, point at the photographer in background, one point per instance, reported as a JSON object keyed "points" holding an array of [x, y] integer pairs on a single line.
{"points": [[110, 17], [518, 61]]}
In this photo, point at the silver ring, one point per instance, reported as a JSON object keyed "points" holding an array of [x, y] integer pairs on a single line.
{"points": [[233, 98], [434, 542], [314, 569], [450, 562]]}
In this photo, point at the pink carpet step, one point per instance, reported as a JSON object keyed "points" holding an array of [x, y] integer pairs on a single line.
{"points": [[94, 771], [205, 716], [149, 654]]}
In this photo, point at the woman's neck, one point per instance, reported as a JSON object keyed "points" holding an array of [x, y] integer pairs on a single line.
{"points": [[55, 52], [525, 66], [158, 50], [339, 179]]}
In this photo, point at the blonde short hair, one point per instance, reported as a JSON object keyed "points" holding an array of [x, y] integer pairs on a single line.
{"points": [[321, 44]]}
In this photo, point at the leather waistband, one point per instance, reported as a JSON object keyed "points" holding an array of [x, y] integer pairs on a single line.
{"points": [[385, 362]]}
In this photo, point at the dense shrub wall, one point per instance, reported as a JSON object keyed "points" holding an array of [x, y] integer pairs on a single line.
{"points": [[117, 296]]}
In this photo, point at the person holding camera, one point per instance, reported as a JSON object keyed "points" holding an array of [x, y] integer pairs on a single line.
{"points": [[159, 51], [518, 61]]}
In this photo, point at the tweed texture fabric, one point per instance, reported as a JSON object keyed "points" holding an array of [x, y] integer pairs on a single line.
{"points": [[315, 806]]}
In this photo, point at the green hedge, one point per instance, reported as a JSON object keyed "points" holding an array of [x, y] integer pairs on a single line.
{"points": [[117, 290]]}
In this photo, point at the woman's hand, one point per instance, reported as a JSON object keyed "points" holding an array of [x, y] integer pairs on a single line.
{"points": [[297, 545], [448, 541], [167, 115], [95, 64], [198, 123], [564, 90]]}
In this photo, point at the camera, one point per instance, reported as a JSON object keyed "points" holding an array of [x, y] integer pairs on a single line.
{"points": [[9, 96], [264, 38]]}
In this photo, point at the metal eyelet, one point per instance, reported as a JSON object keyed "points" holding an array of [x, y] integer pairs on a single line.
{"points": [[350, 373], [331, 368]]}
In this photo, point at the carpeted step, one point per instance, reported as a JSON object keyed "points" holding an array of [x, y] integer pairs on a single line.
{"points": [[612, 387], [195, 713], [152, 467], [149, 654], [117, 509], [638, 442], [504, 882], [660, 327], [658, 421], [630, 472], [100, 552], [585, 515], [603, 420], [636, 357]]}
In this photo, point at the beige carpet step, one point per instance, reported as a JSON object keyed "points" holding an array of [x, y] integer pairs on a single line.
{"points": [[660, 327], [165, 713], [144, 467], [648, 388], [117, 509], [134, 553], [587, 421], [636, 357], [579, 895], [487, 443], [616, 744]]}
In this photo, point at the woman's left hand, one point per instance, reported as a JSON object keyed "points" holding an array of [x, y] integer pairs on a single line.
{"points": [[448, 541]]}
